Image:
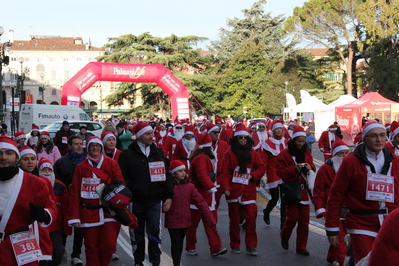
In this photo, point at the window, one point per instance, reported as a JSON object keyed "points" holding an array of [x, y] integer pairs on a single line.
{"points": [[66, 59], [79, 59], [53, 75], [96, 126], [53, 92], [39, 59], [66, 74], [13, 59]]}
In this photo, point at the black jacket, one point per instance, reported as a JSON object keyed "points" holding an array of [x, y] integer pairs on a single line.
{"points": [[63, 170], [135, 170]]}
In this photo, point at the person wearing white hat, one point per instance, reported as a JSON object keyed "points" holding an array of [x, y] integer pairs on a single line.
{"points": [[147, 176], [185, 146], [367, 183], [393, 139], [294, 163], [326, 141], [324, 179], [30, 201]]}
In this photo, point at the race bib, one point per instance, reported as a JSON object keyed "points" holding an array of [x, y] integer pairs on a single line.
{"points": [[157, 171], [241, 178], [88, 188], [380, 188], [25, 247], [64, 140]]}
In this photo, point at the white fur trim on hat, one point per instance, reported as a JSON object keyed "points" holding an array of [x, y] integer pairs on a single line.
{"points": [[94, 140], [143, 130], [299, 134], [340, 148], [241, 133], [22, 136], [394, 133], [177, 168], [26, 151], [9, 146], [277, 125], [212, 129], [369, 127], [108, 136], [43, 165], [205, 145]]}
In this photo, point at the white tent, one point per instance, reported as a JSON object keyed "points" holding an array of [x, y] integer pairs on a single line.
{"points": [[324, 117]]}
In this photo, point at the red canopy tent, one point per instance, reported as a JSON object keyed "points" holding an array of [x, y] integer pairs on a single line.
{"points": [[371, 105]]}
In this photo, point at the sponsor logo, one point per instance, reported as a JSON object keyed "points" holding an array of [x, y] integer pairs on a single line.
{"points": [[133, 73], [49, 116]]}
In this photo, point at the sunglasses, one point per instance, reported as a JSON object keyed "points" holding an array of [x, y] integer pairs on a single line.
{"points": [[215, 132], [243, 137], [179, 128]]}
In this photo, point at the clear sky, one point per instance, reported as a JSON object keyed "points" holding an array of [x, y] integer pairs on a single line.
{"points": [[100, 19]]}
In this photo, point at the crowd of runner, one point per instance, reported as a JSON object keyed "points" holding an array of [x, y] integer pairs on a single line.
{"points": [[87, 186]]}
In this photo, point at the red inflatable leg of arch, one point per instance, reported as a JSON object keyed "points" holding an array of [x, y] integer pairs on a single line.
{"points": [[94, 71]]}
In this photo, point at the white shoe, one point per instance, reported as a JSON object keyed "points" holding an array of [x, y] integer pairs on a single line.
{"points": [[192, 252], [77, 262], [65, 254], [115, 257]]}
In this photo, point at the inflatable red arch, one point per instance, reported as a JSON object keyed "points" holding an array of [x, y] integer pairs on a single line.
{"points": [[159, 74]]}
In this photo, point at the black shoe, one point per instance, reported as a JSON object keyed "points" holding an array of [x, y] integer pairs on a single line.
{"points": [[266, 217], [303, 252], [284, 244]]}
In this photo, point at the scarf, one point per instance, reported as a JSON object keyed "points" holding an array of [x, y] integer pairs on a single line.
{"points": [[76, 158], [94, 160], [298, 153], [243, 153], [7, 173]]}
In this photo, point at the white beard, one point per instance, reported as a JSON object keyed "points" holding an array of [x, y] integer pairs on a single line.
{"points": [[50, 177], [179, 133], [34, 140], [162, 133], [262, 135], [190, 144], [337, 161]]}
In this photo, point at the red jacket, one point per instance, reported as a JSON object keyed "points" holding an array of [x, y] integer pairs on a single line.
{"points": [[272, 148], [287, 171], [246, 192], [181, 153], [83, 192], [28, 188], [225, 134], [324, 142], [219, 148], [179, 214], [324, 179]]}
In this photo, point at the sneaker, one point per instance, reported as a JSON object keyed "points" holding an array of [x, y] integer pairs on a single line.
{"points": [[236, 250], [65, 254], [284, 244], [191, 252], [115, 257], [266, 217], [252, 251], [220, 252], [303, 252], [77, 262], [335, 263]]}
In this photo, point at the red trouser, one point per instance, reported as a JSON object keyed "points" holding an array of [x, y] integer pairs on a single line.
{"points": [[100, 243], [214, 241], [250, 214], [361, 245], [297, 213], [326, 157], [338, 253]]}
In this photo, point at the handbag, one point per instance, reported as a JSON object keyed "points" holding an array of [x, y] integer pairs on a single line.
{"points": [[292, 192]]}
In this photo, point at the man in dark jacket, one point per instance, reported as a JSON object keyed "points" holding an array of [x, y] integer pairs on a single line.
{"points": [[64, 169], [146, 175], [61, 137]]}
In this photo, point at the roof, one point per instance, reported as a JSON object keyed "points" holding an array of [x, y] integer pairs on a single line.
{"points": [[53, 43]]}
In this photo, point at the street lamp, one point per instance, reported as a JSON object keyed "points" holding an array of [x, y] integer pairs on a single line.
{"points": [[3, 60], [43, 87]]}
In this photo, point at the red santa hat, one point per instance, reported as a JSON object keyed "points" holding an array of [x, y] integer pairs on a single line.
{"points": [[176, 165], [44, 162], [262, 123], [94, 139], [204, 140], [44, 135], [277, 124], [141, 128], [189, 130], [8, 143], [211, 127], [394, 129], [219, 120], [152, 120], [338, 145], [376, 120], [19, 135], [291, 122], [26, 150], [241, 130], [387, 125], [35, 127], [369, 127], [298, 131], [105, 135], [240, 121], [332, 127]]}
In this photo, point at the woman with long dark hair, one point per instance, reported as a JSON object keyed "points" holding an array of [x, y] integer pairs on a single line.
{"points": [[294, 163], [242, 168], [46, 148]]}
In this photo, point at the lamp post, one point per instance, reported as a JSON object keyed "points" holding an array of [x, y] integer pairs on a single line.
{"points": [[3, 60], [43, 88]]}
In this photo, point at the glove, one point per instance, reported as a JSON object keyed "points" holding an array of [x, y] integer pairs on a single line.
{"points": [[38, 213]]}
